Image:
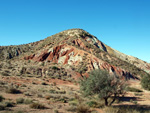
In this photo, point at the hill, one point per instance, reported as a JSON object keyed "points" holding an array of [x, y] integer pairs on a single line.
{"points": [[42, 77], [75, 51]]}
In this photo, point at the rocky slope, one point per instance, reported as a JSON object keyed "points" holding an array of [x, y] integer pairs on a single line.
{"points": [[71, 53]]}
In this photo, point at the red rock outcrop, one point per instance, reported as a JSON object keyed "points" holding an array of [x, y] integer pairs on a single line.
{"points": [[66, 54], [80, 43]]}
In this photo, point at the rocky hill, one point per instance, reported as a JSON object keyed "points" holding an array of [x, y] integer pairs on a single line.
{"points": [[68, 54]]}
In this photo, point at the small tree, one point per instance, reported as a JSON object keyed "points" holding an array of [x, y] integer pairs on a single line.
{"points": [[104, 85], [145, 82]]}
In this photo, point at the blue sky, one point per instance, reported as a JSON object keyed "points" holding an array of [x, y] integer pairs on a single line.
{"points": [[122, 24]]}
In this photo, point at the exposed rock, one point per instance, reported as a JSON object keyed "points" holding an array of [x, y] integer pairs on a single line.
{"points": [[65, 54], [76, 50]]}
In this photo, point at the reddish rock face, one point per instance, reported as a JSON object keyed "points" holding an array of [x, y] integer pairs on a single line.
{"points": [[66, 54], [80, 44]]}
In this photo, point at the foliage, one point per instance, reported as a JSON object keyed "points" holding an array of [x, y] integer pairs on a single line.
{"points": [[19, 100], [92, 103], [145, 82], [9, 104], [131, 89], [1, 98], [2, 107], [82, 109], [126, 109], [13, 90], [104, 85], [37, 106]]}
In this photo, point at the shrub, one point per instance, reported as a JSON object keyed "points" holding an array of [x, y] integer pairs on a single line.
{"points": [[13, 90], [131, 89], [92, 104], [55, 68], [1, 98], [25, 101], [126, 109], [43, 83], [9, 104], [145, 82], [19, 100], [28, 101], [37, 106], [56, 111], [104, 85], [48, 97], [52, 91], [82, 109], [2, 107]]}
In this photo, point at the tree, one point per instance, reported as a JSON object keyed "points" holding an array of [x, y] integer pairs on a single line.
{"points": [[103, 84], [145, 82]]}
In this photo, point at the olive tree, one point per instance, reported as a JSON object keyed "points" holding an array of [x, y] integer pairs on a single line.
{"points": [[103, 84]]}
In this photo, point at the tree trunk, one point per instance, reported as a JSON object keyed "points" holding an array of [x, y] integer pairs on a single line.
{"points": [[113, 100], [106, 101]]}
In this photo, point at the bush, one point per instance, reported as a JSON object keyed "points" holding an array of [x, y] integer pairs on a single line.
{"points": [[43, 83], [131, 89], [92, 104], [125, 109], [25, 101], [19, 100], [82, 109], [9, 104], [2, 107], [145, 82], [13, 90], [28, 101], [55, 68], [104, 85], [37, 106], [1, 98]]}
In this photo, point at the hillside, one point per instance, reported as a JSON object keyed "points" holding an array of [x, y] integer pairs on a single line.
{"points": [[43, 77], [75, 50]]}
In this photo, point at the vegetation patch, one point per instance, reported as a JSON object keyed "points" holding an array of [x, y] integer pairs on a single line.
{"points": [[13, 90], [145, 82], [131, 89], [1, 98], [104, 85], [37, 106]]}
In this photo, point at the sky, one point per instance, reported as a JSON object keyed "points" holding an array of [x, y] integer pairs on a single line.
{"points": [[121, 24]]}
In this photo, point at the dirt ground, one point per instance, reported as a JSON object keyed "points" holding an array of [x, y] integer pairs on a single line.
{"points": [[38, 88]]}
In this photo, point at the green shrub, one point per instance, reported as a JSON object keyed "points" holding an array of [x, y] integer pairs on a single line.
{"points": [[13, 90], [131, 89], [9, 104], [23, 101], [5, 74], [56, 111], [145, 82], [48, 97], [2, 107], [55, 68], [73, 103], [1, 98], [123, 110], [37, 106], [104, 85], [52, 91], [82, 109], [28, 101], [19, 100], [92, 104], [43, 83]]}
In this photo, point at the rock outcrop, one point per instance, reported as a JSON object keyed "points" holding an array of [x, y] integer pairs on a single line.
{"points": [[77, 51], [65, 54]]}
